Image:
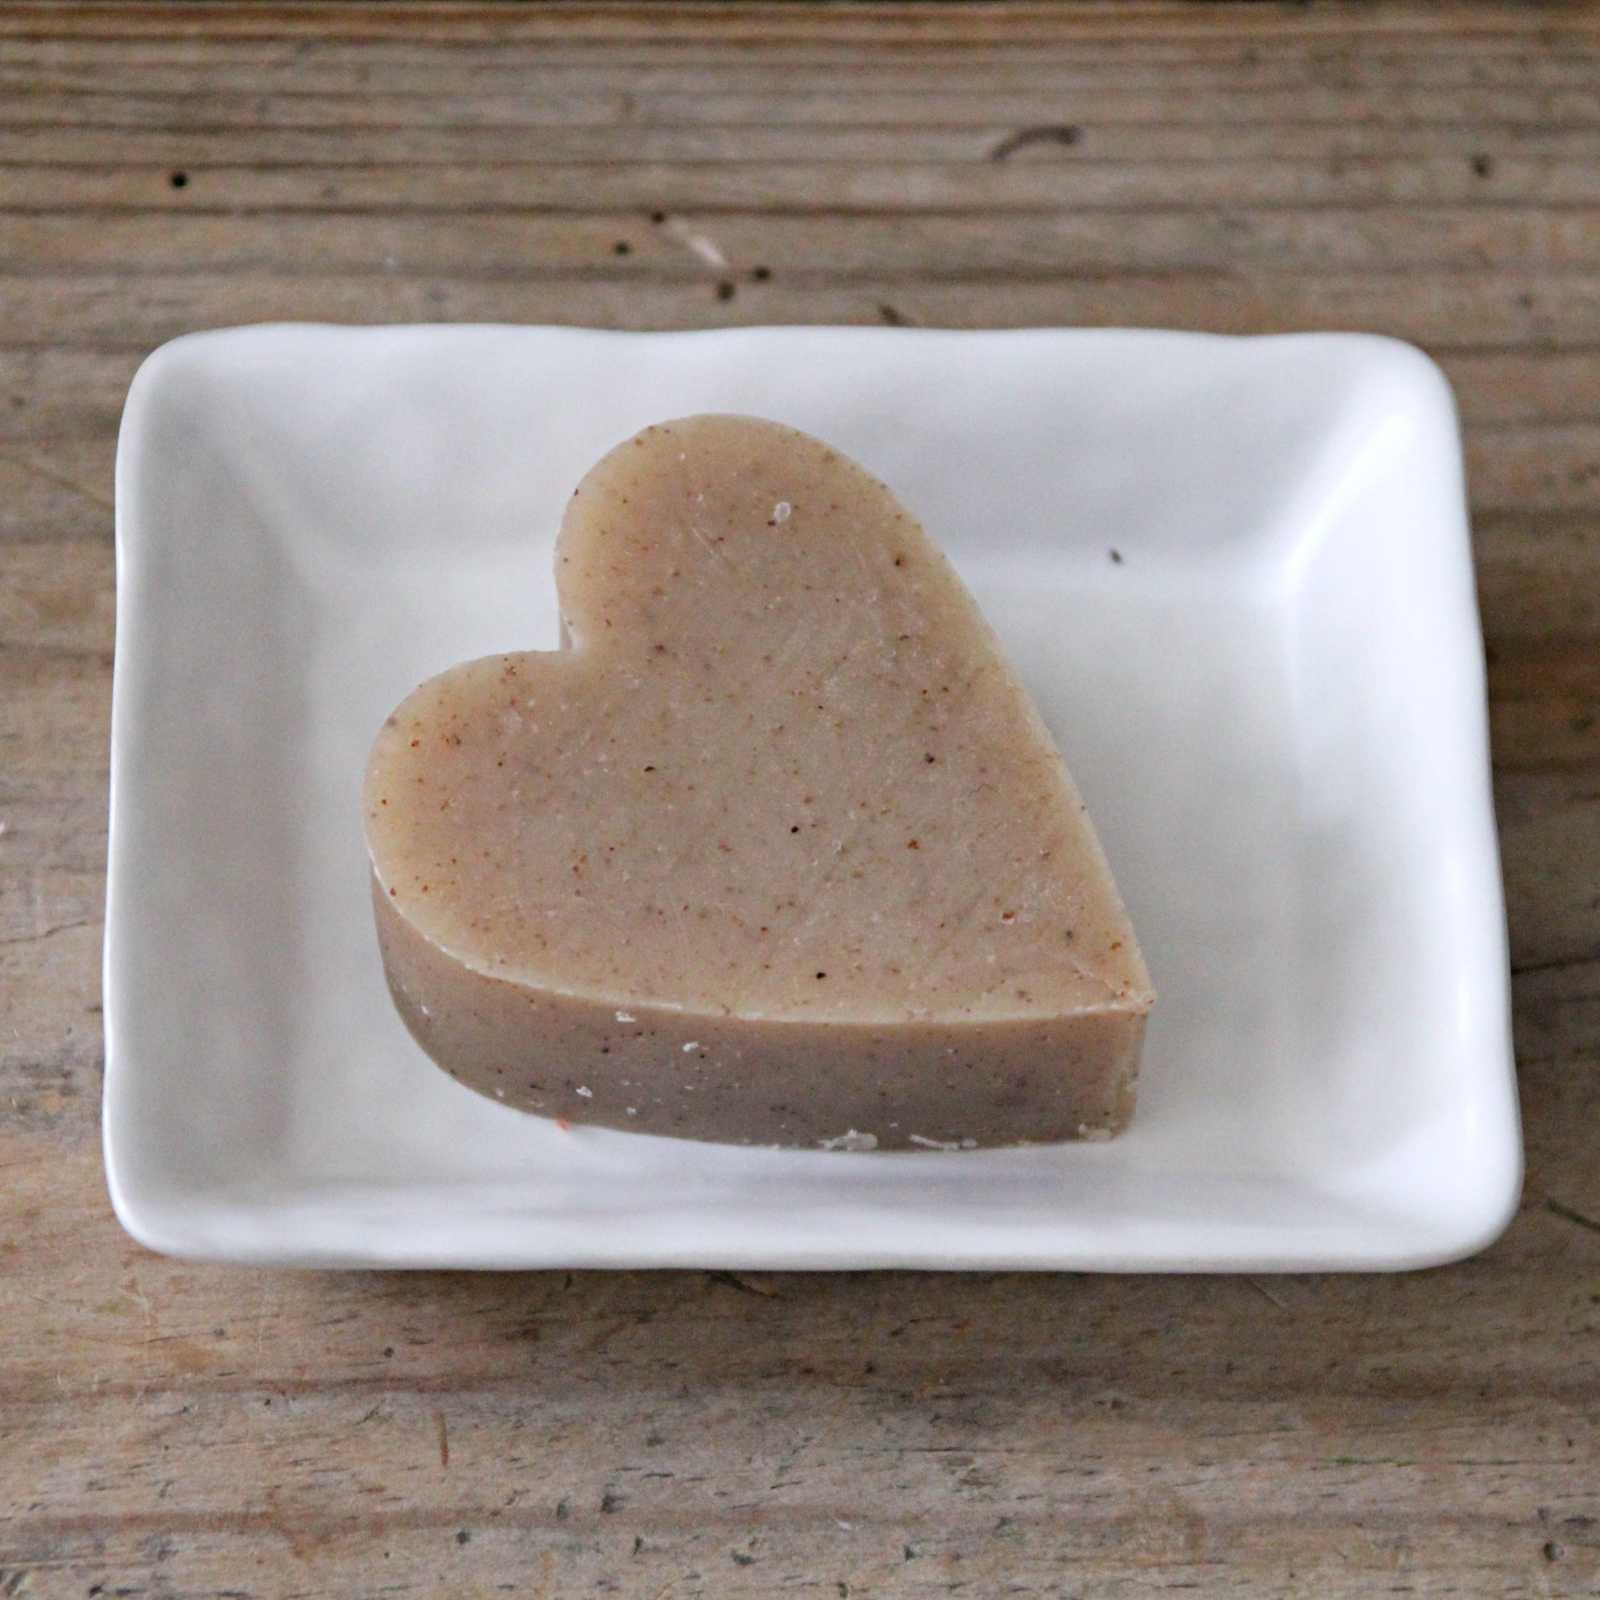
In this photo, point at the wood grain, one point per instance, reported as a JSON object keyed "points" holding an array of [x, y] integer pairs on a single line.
{"points": [[1431, 172]]}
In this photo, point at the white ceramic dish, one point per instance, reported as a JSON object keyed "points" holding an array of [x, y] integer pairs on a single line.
{"points": [[1235, 574]]}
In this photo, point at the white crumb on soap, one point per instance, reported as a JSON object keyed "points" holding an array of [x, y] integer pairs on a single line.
{"points": [[632, 1111], [1093, 1135], [782, 511], [693, 1044], [847, 1526], [942, 1144], [626, 1016], [500, 1094], [587, 1094], [425, 1011], [851, 1141]]}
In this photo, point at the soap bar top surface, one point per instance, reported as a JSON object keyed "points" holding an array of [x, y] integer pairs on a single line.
{"points": [[781, 772]]}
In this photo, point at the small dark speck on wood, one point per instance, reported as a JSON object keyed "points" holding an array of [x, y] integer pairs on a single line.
{"points": [[894, 317], [444, 1438], [1062, 133]]}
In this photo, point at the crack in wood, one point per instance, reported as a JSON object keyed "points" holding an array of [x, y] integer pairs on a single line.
{"points": [[50, 933], [1061, 133], [1571, 1214]]}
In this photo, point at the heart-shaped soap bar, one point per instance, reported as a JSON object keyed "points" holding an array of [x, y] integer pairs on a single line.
{"points": [[776, 850]]}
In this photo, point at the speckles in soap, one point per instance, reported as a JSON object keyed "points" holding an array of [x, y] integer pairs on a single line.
{"points": [[782, 778]]}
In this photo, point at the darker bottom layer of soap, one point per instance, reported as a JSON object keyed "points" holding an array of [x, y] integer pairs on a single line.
{"points": [[905, 1086]]}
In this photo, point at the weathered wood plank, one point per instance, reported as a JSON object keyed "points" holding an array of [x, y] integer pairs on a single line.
{"points": [[772, 23], [1509, 105], [741, 1554], [1333, 142], [393, 67], [1041, 177], [1486, 308], [1069, 243]]}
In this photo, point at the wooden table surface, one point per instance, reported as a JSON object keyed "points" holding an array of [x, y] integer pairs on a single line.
{"points": [[176, 1430]]}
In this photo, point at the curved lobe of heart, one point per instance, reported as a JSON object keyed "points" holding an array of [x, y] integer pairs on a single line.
{"points": [[782, 788]]}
